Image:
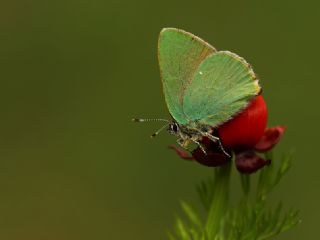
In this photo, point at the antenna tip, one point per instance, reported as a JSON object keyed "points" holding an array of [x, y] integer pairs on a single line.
{"points": [[153, 135], [136, 120]]}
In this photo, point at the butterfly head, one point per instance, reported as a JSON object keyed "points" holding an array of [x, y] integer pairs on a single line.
{"points": [[173, 128]]}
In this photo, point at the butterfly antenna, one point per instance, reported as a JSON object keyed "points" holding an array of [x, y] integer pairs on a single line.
{"points": [[153, 120], [157, 132], [150, 120]]}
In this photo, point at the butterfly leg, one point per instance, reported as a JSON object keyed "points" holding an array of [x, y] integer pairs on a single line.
{"points": [[182, 143], [216, 139], [200, 146]]}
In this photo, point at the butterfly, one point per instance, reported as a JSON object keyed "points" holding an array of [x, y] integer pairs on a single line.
{"points": [[203, 87]]}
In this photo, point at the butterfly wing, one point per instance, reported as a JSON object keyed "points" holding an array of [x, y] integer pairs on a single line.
{"points": [[223, 84], [180, 54]]}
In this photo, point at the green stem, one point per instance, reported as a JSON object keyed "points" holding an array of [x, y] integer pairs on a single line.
{"points": [[245, 183], [219, 201]]}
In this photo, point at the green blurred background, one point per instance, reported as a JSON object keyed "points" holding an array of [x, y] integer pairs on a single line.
{"points": [[73, 74]]}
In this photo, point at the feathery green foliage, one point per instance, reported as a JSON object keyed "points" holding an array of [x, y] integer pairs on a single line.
{"points": [[250, 219]]}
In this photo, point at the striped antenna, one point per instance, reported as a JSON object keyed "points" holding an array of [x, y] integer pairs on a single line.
{"points": [[153, 120], [150, 120]]}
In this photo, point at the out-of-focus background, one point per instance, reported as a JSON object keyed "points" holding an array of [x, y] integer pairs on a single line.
{"points": [[74, 73]]}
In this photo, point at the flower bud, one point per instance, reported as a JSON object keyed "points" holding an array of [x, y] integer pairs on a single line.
{"points": [[246, 129]]}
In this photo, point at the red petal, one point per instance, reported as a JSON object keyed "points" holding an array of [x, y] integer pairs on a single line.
{"points": [[245, 130], [270, 138], [183, 154], [249, 162]]}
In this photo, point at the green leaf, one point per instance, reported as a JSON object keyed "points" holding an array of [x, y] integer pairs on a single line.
{"points": [[284, 168], [192, 215], [206, 191], [250, 219], [265, 179], [182, 230]]}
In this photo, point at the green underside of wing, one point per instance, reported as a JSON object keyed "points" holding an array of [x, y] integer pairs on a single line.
{"points": [[223, 85], [180, 53]]}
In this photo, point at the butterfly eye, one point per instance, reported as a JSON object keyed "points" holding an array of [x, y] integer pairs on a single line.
{"points": [[174, 127]]}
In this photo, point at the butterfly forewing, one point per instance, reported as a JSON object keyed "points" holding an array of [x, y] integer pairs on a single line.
{"points": [[180, 54], [222, 85]]}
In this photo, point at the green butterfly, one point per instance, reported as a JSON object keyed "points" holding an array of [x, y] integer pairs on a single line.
{"points": [[203, 87]]}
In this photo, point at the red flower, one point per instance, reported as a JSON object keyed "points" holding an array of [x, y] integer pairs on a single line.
{"points": [[244, 135], [270, 138], [248, 161], [246, 129]]}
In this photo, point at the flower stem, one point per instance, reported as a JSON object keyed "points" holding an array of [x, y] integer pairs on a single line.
{"points": [[245, 183], [219, 203]]}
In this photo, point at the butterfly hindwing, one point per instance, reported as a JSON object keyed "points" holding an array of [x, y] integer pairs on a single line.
{"points": [[180, 54], [222, 85]]}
